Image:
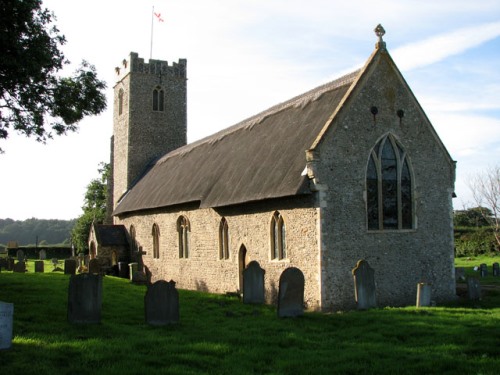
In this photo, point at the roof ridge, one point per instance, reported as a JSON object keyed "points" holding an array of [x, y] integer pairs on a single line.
{"points": [[299, 100]]}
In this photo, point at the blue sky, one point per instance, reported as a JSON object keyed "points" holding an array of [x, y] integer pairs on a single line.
{"points": [[245, 56]]}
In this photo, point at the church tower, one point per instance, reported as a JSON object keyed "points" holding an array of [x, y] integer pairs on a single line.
{"points": [[149, 118]]}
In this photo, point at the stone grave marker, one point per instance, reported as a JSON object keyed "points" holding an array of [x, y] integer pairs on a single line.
{"points": [[19, 267], [123, 270], [39, 266], [483, 270], [69, 266], [364, 285], [85, 298], [473, 289], [161, 303], [10, 264], [42, 255], [6, 320], [496, 269], [133, 268], [253, 283], [423, 295], [459, 273], [20, 256], [94, 266], [291, 293]]}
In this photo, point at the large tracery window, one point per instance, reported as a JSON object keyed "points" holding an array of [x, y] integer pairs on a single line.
{"points": [[389, 187], [278, 237], [183, 228]]}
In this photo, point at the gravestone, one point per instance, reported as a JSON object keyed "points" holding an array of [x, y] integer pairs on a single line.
{"points": [[10, 264], [94, 266], [39, 266], [483, 270], [139, 278], [291, 293], [161, 303], [6, 319], [42, 255], [473, 289], [85, 298], [459, 273], [69, 266], [253, 283], [123, 270], [496, 269], [19, 267], [20, 256], [423, 295], [133, 268], [364, 285]]}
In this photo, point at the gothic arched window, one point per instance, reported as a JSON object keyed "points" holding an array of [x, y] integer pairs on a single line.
{"points": [[156, 241], [389, 187], [183, 228], [223, 239], [158, 99], [278, 237]]}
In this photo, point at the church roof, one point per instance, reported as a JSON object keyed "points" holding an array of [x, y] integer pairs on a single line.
{"points": [[110, 235], [260, 158]]}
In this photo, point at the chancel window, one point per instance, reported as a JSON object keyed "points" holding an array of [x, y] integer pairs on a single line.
{"points": [[389, 187], [156, 241], [158, 99], [183, 229], [278, 237], [223, 239]]}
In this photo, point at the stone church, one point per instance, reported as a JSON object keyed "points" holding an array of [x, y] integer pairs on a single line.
{"points": [[349, 170]]}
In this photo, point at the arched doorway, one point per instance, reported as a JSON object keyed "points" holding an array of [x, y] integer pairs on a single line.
{"points": [[242, 263]]}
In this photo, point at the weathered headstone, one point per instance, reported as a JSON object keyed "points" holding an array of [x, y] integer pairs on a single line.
{"points": [[140, 278], [94, 266], [423, 295], [161, 303], [6, 320], [459, 273], [42, 255], [39, 266], [20, 256], [85, 298], [473, 289], [69, 266], [19, 267], [364, 285], [123, 270], [496, 269], [291, 293], [253, 283], [134, 267], [483, 270]]}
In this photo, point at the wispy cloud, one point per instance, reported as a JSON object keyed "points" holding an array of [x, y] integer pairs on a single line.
{"points": [[438, 48]]}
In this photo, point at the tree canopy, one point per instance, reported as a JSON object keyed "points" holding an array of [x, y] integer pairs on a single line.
{"points": [[34, 99]]}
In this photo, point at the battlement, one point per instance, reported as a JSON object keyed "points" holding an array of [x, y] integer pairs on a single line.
{"points": [[136, 64]]}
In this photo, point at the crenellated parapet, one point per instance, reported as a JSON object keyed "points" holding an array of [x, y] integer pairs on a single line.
{"points": [[136, 64]]}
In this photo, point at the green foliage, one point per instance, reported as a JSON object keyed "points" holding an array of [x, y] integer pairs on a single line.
{"points": [[470, 241], [472, 217], [52, 232], [31, 90], [94, 208], [220, 335]]}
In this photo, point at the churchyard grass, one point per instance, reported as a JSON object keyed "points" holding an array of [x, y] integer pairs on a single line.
{"points": [[218, 334]]}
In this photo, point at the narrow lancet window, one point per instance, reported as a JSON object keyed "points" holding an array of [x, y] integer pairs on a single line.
{"points": [[278, 237]]}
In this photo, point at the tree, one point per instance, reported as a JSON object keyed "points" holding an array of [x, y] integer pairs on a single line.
{"points": [[485, 187], [94, 208], [472, 217], [34, 99]]}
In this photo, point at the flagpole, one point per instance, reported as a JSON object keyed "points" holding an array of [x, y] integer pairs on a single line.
{"points": [[152, 22]]}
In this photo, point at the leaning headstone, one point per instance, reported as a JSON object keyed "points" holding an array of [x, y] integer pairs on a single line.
{"points": [[42, 255], [20, 256], [94, 266], [69, 266], [473, 289], [6, 319], [423, 295], [85, 298], [161, 303], [459, 273], [364, 285], [483, 270], [496, 269], [291, 293], [39, 265], [19, 267], [253, 283]]}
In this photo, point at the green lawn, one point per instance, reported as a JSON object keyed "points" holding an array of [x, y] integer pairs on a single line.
{"points": [[220, 335]]}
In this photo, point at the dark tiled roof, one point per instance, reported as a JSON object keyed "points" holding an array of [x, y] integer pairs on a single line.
{"points": [[111, 235], [262, 157]]}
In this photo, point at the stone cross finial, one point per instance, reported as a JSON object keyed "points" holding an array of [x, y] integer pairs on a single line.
{"points": [[380, 32]]}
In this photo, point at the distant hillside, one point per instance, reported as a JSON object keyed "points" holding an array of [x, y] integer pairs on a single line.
{"points": [[49, 232]]}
